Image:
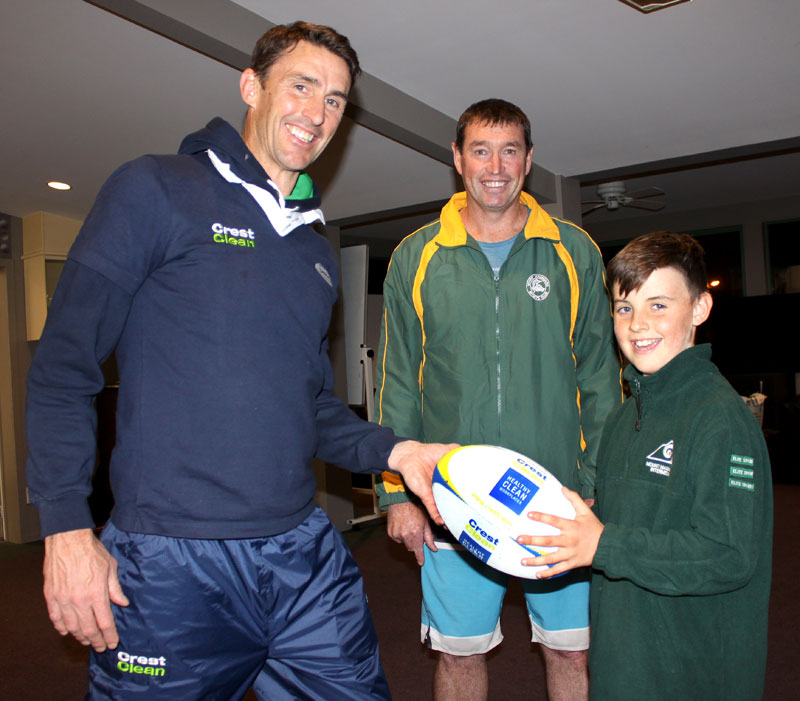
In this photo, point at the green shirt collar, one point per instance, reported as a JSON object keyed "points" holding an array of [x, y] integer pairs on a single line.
{"points": [[303, 188]]}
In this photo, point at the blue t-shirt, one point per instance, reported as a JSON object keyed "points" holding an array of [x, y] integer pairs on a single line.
{"points": [[497, 252]]}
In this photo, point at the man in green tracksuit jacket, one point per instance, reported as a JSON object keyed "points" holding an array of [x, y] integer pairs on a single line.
{"points": [[682, 548], [496, 330]]}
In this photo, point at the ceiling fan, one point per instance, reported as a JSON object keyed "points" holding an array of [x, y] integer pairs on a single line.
{"points": [[613, 195]]}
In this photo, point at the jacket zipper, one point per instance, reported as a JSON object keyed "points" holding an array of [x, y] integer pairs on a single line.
{"points": [[496, 279], [496, 276], [637, 395], [497, 343]]}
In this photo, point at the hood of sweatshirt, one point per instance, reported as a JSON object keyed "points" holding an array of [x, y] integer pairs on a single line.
{"points": [[221, 138]]}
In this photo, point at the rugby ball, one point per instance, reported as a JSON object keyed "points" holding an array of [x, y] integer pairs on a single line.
{"points": [[484, 493]]}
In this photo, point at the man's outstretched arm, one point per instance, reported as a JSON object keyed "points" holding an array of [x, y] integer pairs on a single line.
{"points": [[415, 462]]}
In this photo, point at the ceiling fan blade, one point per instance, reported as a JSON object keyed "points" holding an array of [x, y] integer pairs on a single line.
{"points": [[645, 204], [591, 209], [645, 192]]}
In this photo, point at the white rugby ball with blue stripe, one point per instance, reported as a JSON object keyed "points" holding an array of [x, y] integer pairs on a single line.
{"points": [[484, 493]]}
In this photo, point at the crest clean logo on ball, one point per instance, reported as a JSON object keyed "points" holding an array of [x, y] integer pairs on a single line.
{"points": [[514, 490], [475, 539]]}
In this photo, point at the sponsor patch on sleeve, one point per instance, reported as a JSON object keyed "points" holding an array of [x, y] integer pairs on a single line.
{"points": [[741, 484], [742, 472]]}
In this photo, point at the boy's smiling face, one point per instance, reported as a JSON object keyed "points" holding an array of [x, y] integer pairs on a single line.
{"points": [[657, 322]]}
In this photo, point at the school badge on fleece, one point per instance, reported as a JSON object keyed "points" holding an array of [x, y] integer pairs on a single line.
{"points": [[484, 493]]}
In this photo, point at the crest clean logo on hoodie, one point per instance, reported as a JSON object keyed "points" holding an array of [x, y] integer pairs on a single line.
{"points": [[233, 236]]}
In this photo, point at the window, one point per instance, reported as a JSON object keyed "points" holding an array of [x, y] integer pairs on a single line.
{"points": [[723, 249], [723, 258], [783, 256]]}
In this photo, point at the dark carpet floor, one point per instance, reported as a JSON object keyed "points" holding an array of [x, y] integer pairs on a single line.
{"points": [[37, 664]]}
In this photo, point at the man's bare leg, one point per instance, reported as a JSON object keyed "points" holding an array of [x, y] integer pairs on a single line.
{"points": [[459, 678], [567, 674]]}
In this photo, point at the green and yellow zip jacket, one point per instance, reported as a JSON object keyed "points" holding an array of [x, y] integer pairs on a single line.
{"points": [[524, 359]]}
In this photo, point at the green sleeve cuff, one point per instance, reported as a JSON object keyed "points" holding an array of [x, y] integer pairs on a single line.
{"points": [[385, 498]]}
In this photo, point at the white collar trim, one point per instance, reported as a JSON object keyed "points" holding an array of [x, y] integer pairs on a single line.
{"points": [[283, 219]]}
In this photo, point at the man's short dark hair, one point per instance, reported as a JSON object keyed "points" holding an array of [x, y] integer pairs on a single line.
{"points": [[631, 267], [284, 37], [493, 112]]}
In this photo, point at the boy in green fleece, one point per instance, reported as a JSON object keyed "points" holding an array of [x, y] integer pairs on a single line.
{"points": [[680, 539]]}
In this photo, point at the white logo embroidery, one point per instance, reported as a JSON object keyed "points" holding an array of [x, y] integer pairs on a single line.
{"points": [[660, 460], [538, 287], [324, 274]]}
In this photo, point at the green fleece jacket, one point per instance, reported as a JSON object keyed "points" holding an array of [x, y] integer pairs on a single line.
{"points": [[525, 360], [682, 571]]}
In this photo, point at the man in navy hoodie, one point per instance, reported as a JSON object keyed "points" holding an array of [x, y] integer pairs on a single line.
{"points": [[216, 571]]}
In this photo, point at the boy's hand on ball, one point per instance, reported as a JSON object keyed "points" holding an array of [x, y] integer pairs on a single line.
{"points": [[576, 544]]}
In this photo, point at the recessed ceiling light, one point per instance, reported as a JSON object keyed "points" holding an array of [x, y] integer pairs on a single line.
{"points": [[59, 186]]}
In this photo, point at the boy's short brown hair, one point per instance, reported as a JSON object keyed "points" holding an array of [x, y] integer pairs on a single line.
{"points": [[631, 267]]}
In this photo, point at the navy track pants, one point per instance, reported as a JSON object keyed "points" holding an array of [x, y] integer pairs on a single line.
{"points": [[286, 614]]}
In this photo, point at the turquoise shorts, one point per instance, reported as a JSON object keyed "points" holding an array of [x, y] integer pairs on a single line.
{"points": [[462, 598]]}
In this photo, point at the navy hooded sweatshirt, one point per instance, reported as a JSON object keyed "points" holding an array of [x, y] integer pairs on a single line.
{"points": [[219, 326]]}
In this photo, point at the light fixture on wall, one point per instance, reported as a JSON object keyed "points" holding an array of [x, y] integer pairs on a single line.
{"points": [[56, 185], [652, 5]]}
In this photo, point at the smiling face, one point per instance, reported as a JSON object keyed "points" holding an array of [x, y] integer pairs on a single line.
{"points": [[657, 322], [493, 164], [297, 110]]}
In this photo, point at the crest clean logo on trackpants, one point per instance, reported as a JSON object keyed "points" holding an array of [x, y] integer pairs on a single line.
{"points": [[141, 664]]}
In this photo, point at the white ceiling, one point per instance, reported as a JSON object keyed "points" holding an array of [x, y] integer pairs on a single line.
{"points": [[602, 83], [606, 87]]}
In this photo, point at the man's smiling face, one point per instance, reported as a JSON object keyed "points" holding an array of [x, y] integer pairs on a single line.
{"points": [[297, 110], [493, 164]]}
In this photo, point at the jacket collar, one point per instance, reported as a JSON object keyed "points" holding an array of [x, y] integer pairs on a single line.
{"points": [[675, 374], [453, 233]]}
